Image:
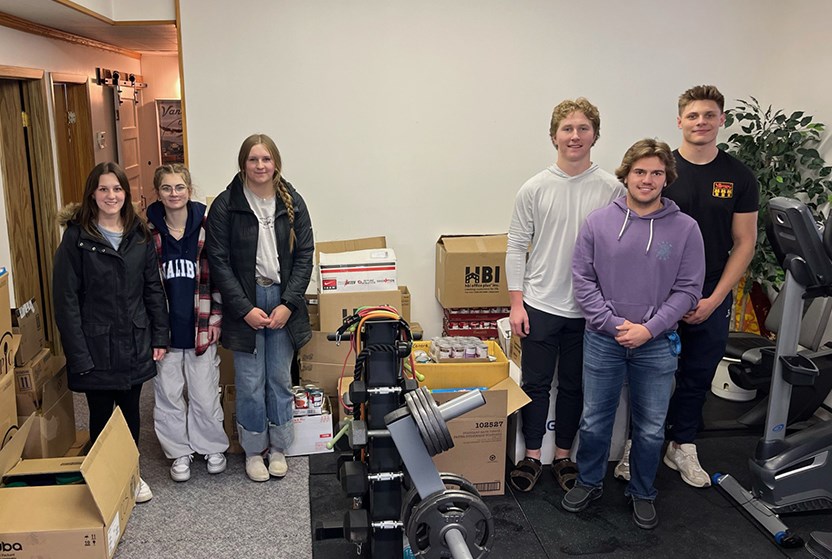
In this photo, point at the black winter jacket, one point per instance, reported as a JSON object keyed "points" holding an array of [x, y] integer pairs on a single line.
{"points": [[110, 309], [231, 244]]}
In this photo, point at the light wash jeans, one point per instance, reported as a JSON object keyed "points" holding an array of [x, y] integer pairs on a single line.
{"points": [[649, 370], [264, 385]]}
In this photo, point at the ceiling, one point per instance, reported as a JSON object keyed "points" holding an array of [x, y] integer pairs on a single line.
{"points": [[154, 38]]}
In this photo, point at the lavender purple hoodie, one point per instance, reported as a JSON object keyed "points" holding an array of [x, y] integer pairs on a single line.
{"points": [[648, 270]]}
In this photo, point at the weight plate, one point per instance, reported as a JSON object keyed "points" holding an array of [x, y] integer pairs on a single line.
{"points": [[433, 438], [451, 509], [451, 481], [413, 406], [436, 432], [443, 426]]}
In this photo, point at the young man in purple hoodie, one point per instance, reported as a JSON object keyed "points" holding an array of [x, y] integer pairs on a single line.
{"points": [[637, 269]]}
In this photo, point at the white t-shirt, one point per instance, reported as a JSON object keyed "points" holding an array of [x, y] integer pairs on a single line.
{"points": [[268, 261]]}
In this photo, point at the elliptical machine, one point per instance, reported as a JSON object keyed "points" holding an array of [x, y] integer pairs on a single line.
{"points": [[794, 473]]}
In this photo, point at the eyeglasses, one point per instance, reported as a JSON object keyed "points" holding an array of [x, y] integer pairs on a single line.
{"points": [[167, 189]]}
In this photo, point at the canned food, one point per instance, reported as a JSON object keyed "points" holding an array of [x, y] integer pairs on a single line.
{"points": [[301, 398], [316, 397]]}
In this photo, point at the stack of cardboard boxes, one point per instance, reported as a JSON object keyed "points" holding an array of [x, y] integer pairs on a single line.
{"points": [[8, 347], [471, 284]]}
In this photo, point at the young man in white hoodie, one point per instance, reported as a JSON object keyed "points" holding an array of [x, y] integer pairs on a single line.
{"points": [[548, 213]]}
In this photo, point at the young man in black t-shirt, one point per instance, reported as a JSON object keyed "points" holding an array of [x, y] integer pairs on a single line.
{"points": [[722, 195]]}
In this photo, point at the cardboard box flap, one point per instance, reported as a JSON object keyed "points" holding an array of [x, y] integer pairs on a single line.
{"points": [[108, 466], [59, 465], [11, 453], [479, 243], [56, 508], [348, 245], [516, 398], [8, 349]]}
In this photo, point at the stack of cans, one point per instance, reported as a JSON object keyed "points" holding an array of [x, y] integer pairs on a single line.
{"points": [[309, 400]]}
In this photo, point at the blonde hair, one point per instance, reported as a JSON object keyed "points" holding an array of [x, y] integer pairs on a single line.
{"points": [[172, 169], [278, 184], [567, 107]]}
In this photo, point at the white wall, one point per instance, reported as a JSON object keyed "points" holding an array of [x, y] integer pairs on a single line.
{"points": [[130, 10], [32, 51], [413, 119]]}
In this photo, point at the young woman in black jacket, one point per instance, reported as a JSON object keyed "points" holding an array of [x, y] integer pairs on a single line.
{"points": [[260, 249], [109, 304]]}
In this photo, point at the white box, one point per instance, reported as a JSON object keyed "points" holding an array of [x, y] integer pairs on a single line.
{"points": [[516, 446], [312, 432], [504, 329], [358, 270]]}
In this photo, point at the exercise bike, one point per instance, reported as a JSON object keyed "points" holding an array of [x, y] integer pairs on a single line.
{"points": [[790, 474]]}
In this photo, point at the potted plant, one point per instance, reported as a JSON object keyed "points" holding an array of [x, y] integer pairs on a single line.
{"points": [[782, 152]]}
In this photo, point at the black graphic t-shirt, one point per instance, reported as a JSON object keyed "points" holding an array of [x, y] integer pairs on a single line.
{"points": [[711, 194]]}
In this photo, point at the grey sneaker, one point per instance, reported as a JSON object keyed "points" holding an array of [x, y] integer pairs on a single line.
{"points": [[644, 513], [686, 462], [216, 463], [622, 469], [180, 470], [579, 497]]}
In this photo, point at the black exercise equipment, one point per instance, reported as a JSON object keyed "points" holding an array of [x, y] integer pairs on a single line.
{"points": [[794, 473]]}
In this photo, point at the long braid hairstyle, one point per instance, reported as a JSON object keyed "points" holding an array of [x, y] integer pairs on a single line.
{"points": [[279, 185]]}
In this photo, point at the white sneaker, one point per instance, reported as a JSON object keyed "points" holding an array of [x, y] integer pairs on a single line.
{"points": [[216, 463], [143, 492], [256, 469], [180, 470], [277, 464], [622, 469], [686, 462]]}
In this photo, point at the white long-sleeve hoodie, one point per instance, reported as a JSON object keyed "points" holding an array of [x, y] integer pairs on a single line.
{"points": [[549, 210]]}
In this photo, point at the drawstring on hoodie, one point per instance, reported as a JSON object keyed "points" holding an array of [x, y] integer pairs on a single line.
{"points": [[624, 227]]}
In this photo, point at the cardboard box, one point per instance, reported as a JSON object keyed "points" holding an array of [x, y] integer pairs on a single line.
{"points": [[335, 307], [312, 432], [320, 350], [348, 245], [229, 420], [28, 323], [8, 351], [469, 271], [53, 430], [75, 521], [479, 436], [81, 446], [326, 376], [226, 365], [5, 303], [33, 375], [504, 336], [33, 401], [358, 270], [8, 409]]}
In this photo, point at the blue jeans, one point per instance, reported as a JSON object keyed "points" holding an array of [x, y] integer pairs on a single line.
{"points": [[264, 385], [649, 370]]}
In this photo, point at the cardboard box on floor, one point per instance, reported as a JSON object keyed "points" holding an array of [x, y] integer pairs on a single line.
{"points": [[53, 431], [358, 270], [479, 452], [312, 432], [470, 271], [335, 307], [81, 446], [8, 409], [326, 376], [72, 521], [33, 375], [28, 323]]}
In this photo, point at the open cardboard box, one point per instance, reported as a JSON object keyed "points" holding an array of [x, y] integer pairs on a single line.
{"points": [[479, 452], [469, 271], [76, 521]]}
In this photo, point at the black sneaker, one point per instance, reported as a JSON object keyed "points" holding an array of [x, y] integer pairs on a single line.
{"points": [[644, 513], [579, 497]]}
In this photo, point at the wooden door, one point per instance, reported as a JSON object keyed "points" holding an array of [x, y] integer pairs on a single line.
{"points": [[17, 187], [73, 136], [127, 139]]}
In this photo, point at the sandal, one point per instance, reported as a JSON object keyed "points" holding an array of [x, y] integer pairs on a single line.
{"points": [[525, 475], [565, 472]]}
